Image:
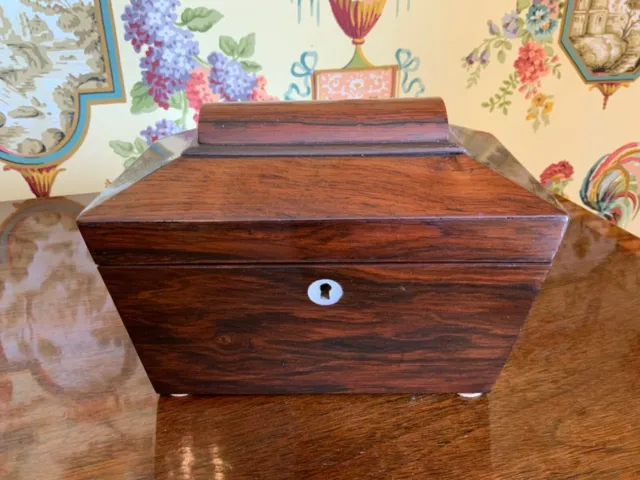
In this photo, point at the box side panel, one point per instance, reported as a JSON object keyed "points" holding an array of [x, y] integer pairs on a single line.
{"points": [[254, 330], [502, 240]]}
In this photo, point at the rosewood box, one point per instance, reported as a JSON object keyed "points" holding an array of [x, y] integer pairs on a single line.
{"points": [[326, 247]]}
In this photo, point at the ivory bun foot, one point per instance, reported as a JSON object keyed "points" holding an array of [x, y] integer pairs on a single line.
{"points": [[470, 395]]}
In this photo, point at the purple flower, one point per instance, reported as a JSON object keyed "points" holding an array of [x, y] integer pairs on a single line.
{"points": [[229, 79], [144, 18], [173, 54], [471, 58], [510, 24], [484, 57], [160, 88], [169, 58], [163, 128], [493, 28]]}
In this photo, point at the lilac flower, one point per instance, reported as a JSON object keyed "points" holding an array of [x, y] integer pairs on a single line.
{"points": [[510, 24], [168, 63], [173, 54], [163, 128], [144, 18], [493, 28], [229, 79], [171, 51], [484, 57]]}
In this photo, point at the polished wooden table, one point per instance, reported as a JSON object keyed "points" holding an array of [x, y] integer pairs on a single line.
{"points": [[76, 404]]}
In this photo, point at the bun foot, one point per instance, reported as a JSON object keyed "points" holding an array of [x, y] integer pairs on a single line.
{"points": [[179, 394], [470, 395]]}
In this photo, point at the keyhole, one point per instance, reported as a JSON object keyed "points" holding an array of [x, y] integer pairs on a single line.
{"points": [[325, 290]]}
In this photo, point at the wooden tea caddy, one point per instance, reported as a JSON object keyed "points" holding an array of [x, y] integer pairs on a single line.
{"points": [[326, 247]]}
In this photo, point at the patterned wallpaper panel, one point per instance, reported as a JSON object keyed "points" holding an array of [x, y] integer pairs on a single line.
{"points": [[87, 85]]}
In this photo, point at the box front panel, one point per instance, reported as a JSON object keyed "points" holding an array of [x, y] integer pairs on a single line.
{"points": [[324, 329]]}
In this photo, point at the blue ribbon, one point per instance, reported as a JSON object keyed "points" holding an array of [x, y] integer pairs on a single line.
{"points": [[303, 69], [408, 64]]}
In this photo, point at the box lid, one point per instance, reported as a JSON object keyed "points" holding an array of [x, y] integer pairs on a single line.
{"points": [[352, 181]]}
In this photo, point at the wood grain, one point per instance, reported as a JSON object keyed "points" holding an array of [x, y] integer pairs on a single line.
{"points": [[323, 437], [520, 239], [303, 123], [565, 406], [384, 208], [244, 330], [305, 188]]}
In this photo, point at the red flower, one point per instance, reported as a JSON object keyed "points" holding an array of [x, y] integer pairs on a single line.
{"points": [[556, 172], [530, 64], [259, 93], [198, 91]]}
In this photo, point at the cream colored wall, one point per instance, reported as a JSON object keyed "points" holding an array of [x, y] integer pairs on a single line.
{"points": [[439, 32]]}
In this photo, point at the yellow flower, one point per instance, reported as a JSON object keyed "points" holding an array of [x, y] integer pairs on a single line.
{"points": [[539, 100], [548, 107], [532, 113]]}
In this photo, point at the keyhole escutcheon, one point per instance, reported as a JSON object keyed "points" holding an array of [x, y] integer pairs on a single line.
{"points": [[325, 292]]}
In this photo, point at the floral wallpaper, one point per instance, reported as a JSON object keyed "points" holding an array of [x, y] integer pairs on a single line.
{"points": [[527, 32], [87, 85]]}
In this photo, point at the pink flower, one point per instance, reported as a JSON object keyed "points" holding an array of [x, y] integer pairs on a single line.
{"points": [[198, 90], [556, 173], [259, 93], [531, 64], [552, 5]]}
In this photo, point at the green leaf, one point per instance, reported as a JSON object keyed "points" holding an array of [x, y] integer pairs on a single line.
{"points": [[124, 149], [485, 104], [498, 43], [536, 124], [176, 100], [250, 66], [522, 5], [247, 46], [130, 161], [199, 19], [140, 144], [228, 45], [141, 101], [520, 22], [507, 45], [545, 119], [139, 89], [143, 104], [505, 110], [502, 56]]}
